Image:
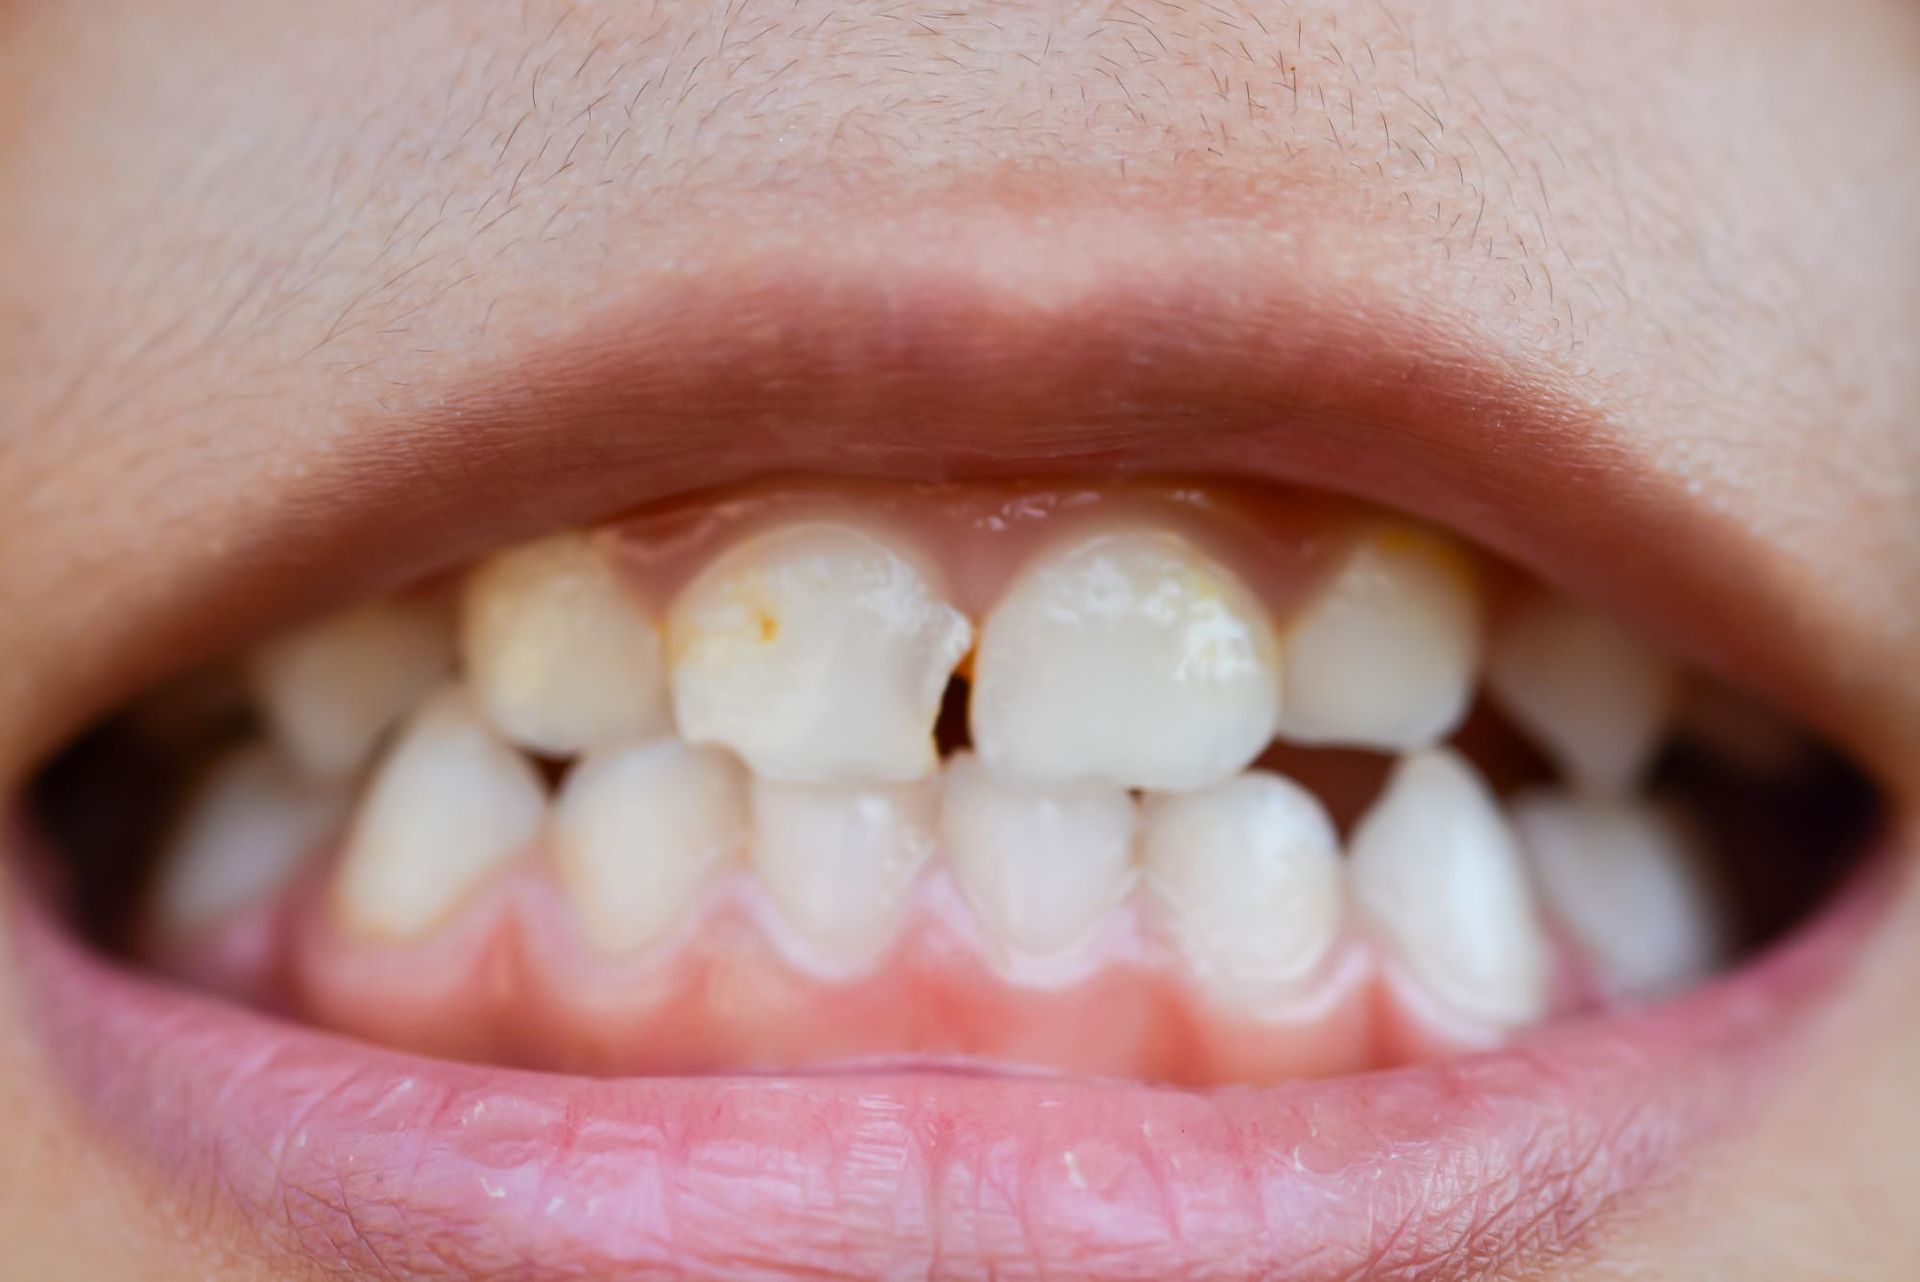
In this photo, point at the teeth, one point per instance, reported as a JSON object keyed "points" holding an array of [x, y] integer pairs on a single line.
{"points": [[329, 692], [1626, 881], [1126, 659], [1596, 698], [448, 806], [1385, 656], [839, 861], [1040, 868], [819, 652], [1436, 869], [558, 652], [1251, 871], [248, 827], [638, 831]]}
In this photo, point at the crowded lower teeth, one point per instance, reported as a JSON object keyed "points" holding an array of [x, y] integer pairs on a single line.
{"points": [[646, 741]]}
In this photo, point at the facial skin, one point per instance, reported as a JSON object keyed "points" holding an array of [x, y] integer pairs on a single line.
{"points": [[249, 252]]}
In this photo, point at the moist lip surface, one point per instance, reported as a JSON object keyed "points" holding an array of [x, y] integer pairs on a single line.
{"points": [[351, 1156]]}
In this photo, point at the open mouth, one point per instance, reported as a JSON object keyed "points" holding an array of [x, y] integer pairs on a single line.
{"points": [[952, 817]]}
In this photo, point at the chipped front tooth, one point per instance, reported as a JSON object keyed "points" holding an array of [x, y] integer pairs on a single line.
{"points": [[839, 861], [1435, 868], [637, 832], [1250, 870], [329, 691], [1595, 697], [558, 652], [449, 805], [249, 825], [1040, 867], [1127, 658], [818, 652], [1386, 654], [1629, 884]]}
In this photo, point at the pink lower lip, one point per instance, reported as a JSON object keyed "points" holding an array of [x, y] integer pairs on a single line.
{"points": [[357, 1159]]}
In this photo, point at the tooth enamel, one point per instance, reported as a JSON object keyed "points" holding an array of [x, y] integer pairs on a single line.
{"points": [[249, 825], [839, 861], [1126, 658], [1386, 654], [1625, 879], [1039, 867], [558, 652], [817, 651], [637, 832], [1435, 868], [331, 690], [447, 807], [1250, 869], [1596, 698]]}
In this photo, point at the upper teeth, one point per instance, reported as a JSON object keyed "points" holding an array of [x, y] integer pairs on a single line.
{"points": [[1385, 656], [1126, 658], [559, 653], [819, 652]]}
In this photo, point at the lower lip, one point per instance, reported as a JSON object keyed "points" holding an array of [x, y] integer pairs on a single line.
{"points": [[353, 1158]]}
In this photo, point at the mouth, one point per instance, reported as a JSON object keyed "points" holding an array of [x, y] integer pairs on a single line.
{"points": [[847, 766]]}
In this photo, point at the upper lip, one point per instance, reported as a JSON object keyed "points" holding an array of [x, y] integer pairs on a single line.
{"points": [[919, 361]]}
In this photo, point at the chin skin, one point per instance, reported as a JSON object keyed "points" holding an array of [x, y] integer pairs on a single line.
{"points": [[230, 246]]}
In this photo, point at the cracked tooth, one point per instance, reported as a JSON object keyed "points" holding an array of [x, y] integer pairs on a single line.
{"points": [[249, 825], [1628, 883], [1435, 868], [1596, 698], [558, 652], [818, 652], [1126, 658], [840, 861], [448, 806], [1250, 869], [329, 691], [637, 832], [1041, 868], [1386, 654]]}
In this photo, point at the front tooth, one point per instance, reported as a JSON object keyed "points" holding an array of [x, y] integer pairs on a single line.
{"points": [[1251, 871], [817, 651], [449, 805], [1040, 867], [1386, 654], [839, 861], [1436, 869], [638, 831], [1628, 883], [328, 692], [249, 825], [559, 652], [1128, 659], [1596, 698]]}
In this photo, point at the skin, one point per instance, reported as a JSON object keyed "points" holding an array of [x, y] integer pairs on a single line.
{"points": [[239, 242]]}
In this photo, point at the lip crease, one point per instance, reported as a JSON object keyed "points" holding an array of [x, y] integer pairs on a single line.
{"points": [[340, 1154]]}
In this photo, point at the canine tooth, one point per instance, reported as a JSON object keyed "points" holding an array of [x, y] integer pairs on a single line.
{"points": [[839, 861], [248, 826], [1127, 658], [558, 652], [448, 806], [819, 652], [1039, 867], [1251, 871], [1625, 879], [1386, 654], [639, 829], [1596, 698], [329, 691], [1435, 868]]}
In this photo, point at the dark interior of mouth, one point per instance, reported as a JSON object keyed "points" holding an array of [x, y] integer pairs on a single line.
{"points": [[1776, 821]]}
